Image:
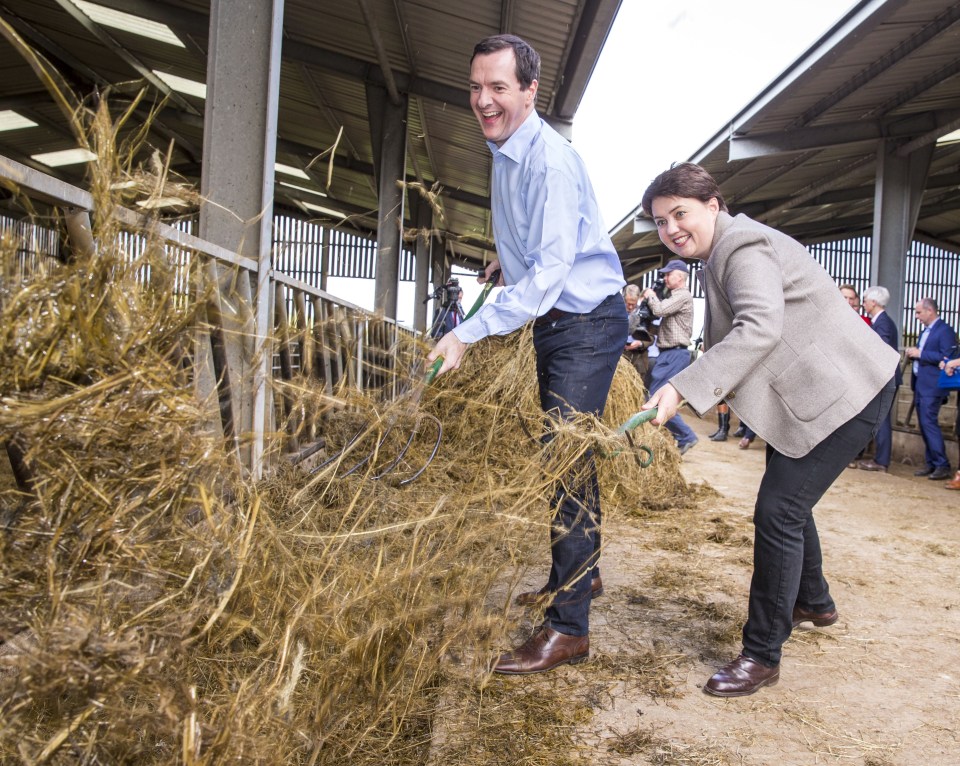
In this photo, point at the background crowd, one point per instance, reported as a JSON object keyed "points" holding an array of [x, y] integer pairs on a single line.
{"points": [[937, 350]]}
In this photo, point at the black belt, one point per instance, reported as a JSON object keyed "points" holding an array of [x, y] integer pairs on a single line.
{"points": [[669, 348], [551, 316], [554, 314]]}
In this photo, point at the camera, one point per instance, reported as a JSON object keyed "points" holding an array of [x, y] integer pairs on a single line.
{"points": [[661, 290], [447, 294]]}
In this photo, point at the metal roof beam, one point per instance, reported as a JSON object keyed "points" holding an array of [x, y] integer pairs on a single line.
{"points": [[403, 30], [831, 181], [943, 22], [50, 48], [25, 100], [807, 231], [367, 72], [198, 24], [584, 46], [138, 66], [749, 147], [506, 16], [839, 196], [325, 109], [373, 29], [930, 137], [359, 166], [861, 20]]}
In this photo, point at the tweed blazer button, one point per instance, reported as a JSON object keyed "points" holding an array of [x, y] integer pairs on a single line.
{"points": [[718, 392], [732, 395]]}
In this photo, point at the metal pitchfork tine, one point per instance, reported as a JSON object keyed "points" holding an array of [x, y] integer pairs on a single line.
{"points": [[627, 429], [409, 402]]}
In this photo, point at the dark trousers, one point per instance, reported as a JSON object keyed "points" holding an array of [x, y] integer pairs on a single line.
{"points": [[928, 418], [576, 358], [884, 438], [669, 363], [787, 561]]}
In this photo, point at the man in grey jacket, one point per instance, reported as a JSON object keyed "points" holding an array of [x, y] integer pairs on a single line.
{"points": [[791, 359]]}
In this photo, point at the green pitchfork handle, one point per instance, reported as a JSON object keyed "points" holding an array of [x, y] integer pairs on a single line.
{"points": [[487, 287], [644, 416], [632, 422]]}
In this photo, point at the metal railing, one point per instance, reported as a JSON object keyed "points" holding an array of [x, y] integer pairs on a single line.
{"points": [[331, 341]]}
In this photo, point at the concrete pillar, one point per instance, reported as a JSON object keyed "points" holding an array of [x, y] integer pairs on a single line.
{"points": [[239, 151], [388, 130], [897, 195]]}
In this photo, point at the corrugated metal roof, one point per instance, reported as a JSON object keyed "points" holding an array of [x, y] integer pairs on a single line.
{"points": [[889, 68], [330, 55]]}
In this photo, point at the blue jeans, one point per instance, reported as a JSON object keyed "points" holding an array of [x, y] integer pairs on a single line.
{"points": [[787, 561], [669, 363], [576, 358]]}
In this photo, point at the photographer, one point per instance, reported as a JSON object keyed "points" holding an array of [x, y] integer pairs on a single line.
{"points": [[672, 302], [449, 311], [638, 342]]}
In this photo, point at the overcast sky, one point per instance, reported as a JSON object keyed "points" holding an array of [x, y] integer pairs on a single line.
{"points": [[671, 75]]}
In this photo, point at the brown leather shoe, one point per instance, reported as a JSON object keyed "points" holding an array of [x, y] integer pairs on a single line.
{"points": [[745, 443], [819, 619], [544, 650], [954, 483], [533, 596], [741, 677], [871, 465]]}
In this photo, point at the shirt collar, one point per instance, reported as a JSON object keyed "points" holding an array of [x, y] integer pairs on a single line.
{"points": [[518, 144]]}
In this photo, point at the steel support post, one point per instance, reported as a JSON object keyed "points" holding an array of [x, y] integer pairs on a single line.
{"points": [[898, 191], [239, 152], [388, 121]]}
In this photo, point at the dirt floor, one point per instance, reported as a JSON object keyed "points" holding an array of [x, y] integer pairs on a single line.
{"points": [[879, 688]]}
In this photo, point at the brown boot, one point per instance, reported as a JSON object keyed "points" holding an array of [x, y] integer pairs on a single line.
{"points": [[954, 483], [741, 677], [544, 650]]}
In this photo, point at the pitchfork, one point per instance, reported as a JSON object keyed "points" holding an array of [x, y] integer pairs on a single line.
{"points": [[407, 403]]}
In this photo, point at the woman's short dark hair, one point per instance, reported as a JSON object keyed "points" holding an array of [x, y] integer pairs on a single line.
{"points": [[685, 179], [528, 60]]}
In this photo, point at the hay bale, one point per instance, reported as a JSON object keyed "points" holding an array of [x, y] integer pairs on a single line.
{"points": [[176, 611]]}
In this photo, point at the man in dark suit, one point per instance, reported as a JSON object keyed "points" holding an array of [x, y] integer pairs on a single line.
{"points": [[875, 301], [936, 340]]}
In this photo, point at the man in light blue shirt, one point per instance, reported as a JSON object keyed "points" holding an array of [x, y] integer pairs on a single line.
{"points": [[560, 270]]}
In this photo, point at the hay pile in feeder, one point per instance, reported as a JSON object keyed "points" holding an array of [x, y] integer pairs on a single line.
{"points": [[157, 606]]}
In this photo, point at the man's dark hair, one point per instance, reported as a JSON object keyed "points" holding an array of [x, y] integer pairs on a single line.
{"points": [[684, 179], [528, 60]]}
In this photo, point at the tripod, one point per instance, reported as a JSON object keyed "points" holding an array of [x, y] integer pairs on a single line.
{"points": [[437, 329]]}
